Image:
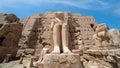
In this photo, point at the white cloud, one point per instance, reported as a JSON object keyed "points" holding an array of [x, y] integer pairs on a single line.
{"points": [[84, 4]]}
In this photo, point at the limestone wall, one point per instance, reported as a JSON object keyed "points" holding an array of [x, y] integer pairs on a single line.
{"points": [[36, 31], [10, 33]]}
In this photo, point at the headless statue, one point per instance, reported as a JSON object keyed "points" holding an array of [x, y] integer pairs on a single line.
{"points": [[60, 34]]}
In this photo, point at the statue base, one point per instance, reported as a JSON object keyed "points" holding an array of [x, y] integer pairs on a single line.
{"points": [[61, 61]]}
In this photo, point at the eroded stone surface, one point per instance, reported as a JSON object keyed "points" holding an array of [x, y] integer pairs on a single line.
{"points": [[10, 31], [61, 61]]}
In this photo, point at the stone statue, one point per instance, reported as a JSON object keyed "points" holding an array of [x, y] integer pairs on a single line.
{"points": [[101, 35], [60, 34]]}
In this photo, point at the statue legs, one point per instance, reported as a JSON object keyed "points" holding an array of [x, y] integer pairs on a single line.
{"points": [[61, 40], [56, 38], [65, 38]]}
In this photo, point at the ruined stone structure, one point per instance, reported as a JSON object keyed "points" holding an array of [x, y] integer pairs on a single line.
{"points": [[81, 29], [10, 32], [81, 42]]}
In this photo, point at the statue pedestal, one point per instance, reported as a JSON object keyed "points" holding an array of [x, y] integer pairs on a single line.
{"points": [[61, 61]]}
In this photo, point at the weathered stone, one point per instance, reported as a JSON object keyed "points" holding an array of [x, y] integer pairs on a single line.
{"points": [[97, 61], [11, 18], [59, 40], [38, 26], [111, 59], [31, 61], [62, 61], [115, 36], [21, 58], [10, 32], [112, 52], [6, 59], [60, 34]]}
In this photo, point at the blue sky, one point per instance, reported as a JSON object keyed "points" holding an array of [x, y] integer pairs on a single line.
{"points": [[104, 11]]}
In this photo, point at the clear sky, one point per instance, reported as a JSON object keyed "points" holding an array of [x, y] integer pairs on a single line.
{"points": [[104, 11]]}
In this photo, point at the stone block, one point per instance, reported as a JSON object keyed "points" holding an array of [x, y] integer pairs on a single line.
{"points": [[62, 61]]}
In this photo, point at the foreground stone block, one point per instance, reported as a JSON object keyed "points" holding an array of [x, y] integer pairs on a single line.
{"points": [[61, 61]]}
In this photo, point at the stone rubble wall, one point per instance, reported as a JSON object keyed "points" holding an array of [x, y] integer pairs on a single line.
{"points": [[10, 33]]}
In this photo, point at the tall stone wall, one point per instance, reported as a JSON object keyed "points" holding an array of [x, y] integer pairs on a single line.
{"points": [[36, 32]]}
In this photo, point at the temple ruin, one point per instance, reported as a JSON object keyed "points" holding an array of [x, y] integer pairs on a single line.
{"points": [[38, 25], [59, 40]]}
